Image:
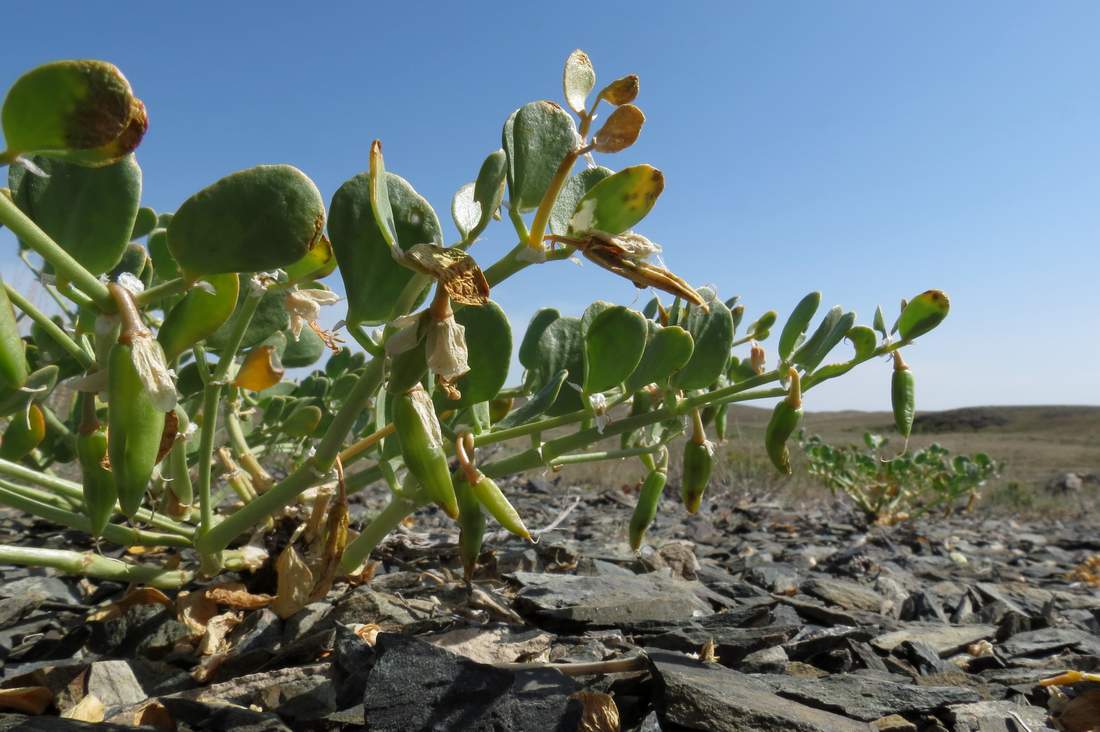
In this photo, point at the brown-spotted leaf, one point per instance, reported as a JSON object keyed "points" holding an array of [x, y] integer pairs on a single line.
{"points": [[139, 596], [621, 129]]}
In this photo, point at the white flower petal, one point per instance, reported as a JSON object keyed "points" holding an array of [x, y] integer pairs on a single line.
{"points": [[447, 353]]}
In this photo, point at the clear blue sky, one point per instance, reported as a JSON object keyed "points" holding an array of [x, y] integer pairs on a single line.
{"points": [[869, 150]]}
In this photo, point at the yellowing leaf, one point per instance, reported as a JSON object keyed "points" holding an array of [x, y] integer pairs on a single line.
{"points": [[261, 369], [294, 584]]}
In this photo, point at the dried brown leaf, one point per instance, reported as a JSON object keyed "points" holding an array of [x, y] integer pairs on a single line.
{"points": [[195, 609], [234, 595], [621, 129], [139, 596], [215, 641], [89, 709], [294, 584], [367, 632], [155, 715], [621, 91], [600, 714], [336, 539], [27, 699]]}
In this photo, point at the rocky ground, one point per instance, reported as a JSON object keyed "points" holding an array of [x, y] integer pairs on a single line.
{"points": [[745, 617]]}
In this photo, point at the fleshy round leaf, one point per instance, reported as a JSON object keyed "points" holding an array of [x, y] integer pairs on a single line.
{"points": [[164, 264], [303, 421], [712, 334], [372, 279], [489, 186], [144, 223], [536, 138], [614, 342], [618, 202], [831, 331], [536, 405], [591, 312], [667, 350], [578, 80], [797, 323], [561, 346], [528, 348], [570, 196], [69, 107], [489, 344], [880, 321], [319, 262], [261, 369], [923, 313], [863, 340], [270, 316], [199, 314], [621, 129], [90, 212], [305, 351], [254, 220]]}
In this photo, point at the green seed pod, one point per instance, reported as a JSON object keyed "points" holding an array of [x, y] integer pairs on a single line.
{"points": [[784, 421], [253, 220], [923, 313], [13, 355], [641, 403], [303, 420], [471, 524], [79, 110], [492, 498], [720, 422], [99, 484], [421, 442], [25, 431], [698, 460], [499, 408], [178, 473], [199, 314], [645, 510], [135, 426], [902, 396]]}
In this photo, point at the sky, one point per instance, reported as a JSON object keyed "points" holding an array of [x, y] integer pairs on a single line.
{"points": [[867, 150]]}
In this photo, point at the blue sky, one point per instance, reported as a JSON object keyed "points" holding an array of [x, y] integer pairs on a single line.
{"points": [[868, 150]]}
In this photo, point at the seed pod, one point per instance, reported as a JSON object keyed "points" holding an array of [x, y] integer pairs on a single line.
{"points": [[499, 408], [199, 314], [180, 483], [135, 428], [902, 396], [493, 500], [421, 442], [698, 460], [645, 510], [923, 313], [91, 451], [471, 524], [303, 421], [78, 110], [261, 369], [24, 433], [784, 421], [13, 356], [720, 422]]}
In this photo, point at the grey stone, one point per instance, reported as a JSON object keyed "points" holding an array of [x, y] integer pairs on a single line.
{"points": [[779, 578], [21, 723], [771, 660], [417, 686], [43, 588], [311, 618], [694, 695], [1047, 640], [365, 605], [114, 683], [571, 601], [867, 697], [848, 595], [997, 716], [946, 639]]}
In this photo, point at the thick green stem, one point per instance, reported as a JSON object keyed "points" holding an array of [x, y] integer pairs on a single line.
{"points": [[542, 215], [593, 457], [52, 329], [386, 521], [61, 261], [122, 535], [313, 470], [40, 496], [260, 477], [90, 564], [159, 292]]}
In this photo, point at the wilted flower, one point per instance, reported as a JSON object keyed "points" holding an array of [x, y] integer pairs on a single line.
{"points": [[447, 354], [153, 370], [756, 357], [407, 335], [304, 308], [599, 406]]}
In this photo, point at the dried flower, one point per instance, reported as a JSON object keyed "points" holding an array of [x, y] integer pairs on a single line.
{"points": [[304, 308]]}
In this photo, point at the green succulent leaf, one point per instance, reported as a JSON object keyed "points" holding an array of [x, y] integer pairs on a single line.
{"points": [[528, 348], [561, 346], [305, 351], [536, 405], [614, 342], [254, 220], [880, 322], [38, 386], [591, 312], [570, 196], [489, 190], [90, 212], [465, 210], [319, 262], [270, 316], [923, 313], [666, 351], [619, 201], [797, 324], [164, 264], [489, 344], [863, 340], [144, 223], [536, 138], [372, 278], [830, 332], [712, 334]]}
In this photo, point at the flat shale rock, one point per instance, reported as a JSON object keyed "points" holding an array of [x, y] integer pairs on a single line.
{"points": [[417, 686], [946, 639], [997, 716], [868, 697], [698, 696], [1049, 640], [848, 595], [21, 723], [571, 601]]}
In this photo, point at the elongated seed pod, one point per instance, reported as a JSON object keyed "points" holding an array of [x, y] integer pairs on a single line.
{"points": [[698, 460], [721, 419], [134, 430], [180, 483], [642, 403], [99, 485], [471, 524], [493, 500], [645, 510], [902, 396], [421, 442], [784, 421], [13, 357], [25, 431]]}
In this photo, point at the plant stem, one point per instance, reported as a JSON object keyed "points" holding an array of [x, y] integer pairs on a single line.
{"points": [[261, 479], [383, 523], [51, 328], [159, 292], [542, 215], [124, 536], [61, 261], [592, 457], [90, 564]]}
